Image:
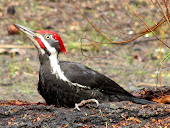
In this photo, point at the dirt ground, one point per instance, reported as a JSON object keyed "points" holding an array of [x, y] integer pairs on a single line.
{"points": [[132, 65], [108, 115]]}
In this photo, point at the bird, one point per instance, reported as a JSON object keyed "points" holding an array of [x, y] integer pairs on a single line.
{"points": [[71, 84]]}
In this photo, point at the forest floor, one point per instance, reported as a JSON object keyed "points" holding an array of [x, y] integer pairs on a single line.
{"points": [[132, 65]]}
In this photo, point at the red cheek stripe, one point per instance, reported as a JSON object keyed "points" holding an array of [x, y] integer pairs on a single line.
{"points": [[40, 43]]}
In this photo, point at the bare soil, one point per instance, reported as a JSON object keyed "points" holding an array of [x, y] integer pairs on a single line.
{"points": [[129, 65]]}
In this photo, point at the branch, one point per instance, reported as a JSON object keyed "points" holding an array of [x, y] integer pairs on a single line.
{"points": [[145, 23]]}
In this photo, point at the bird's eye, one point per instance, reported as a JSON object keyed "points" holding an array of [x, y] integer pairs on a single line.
{"points": [[47, 36]]}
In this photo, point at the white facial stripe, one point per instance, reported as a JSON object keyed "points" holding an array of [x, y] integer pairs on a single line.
{"points": [[46, 44], [55, 67]]}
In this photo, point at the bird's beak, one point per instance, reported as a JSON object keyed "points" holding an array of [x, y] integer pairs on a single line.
{"points": [[32, 35], [27, 31]]}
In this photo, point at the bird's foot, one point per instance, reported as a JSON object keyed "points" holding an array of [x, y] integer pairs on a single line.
{"points": [[83, 102]]}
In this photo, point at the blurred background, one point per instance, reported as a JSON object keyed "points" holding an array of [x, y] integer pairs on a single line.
{"points": [[133, 65]]}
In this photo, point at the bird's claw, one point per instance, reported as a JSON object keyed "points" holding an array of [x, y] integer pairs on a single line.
{"points": [[83, 102], [77, 107]]}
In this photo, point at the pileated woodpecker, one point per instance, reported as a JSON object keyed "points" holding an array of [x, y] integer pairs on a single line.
{"points": [[64, 83]]}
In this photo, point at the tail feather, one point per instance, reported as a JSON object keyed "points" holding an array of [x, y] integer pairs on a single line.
{"points": [[140, 101]]}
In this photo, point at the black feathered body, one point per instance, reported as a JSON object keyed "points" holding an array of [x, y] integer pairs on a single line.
{"points": [[66, 83], [62, 93]]}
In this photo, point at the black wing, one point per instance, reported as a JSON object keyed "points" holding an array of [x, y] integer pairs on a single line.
{"points": [[78, 73]]}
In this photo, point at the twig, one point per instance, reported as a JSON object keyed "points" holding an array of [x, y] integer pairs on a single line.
{"points": [[156, 7], [166, 17], [145, 23], [90, 21], [149, 39]]}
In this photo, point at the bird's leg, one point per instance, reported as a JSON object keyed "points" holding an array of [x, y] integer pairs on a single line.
{"points": [[83, 102]]}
